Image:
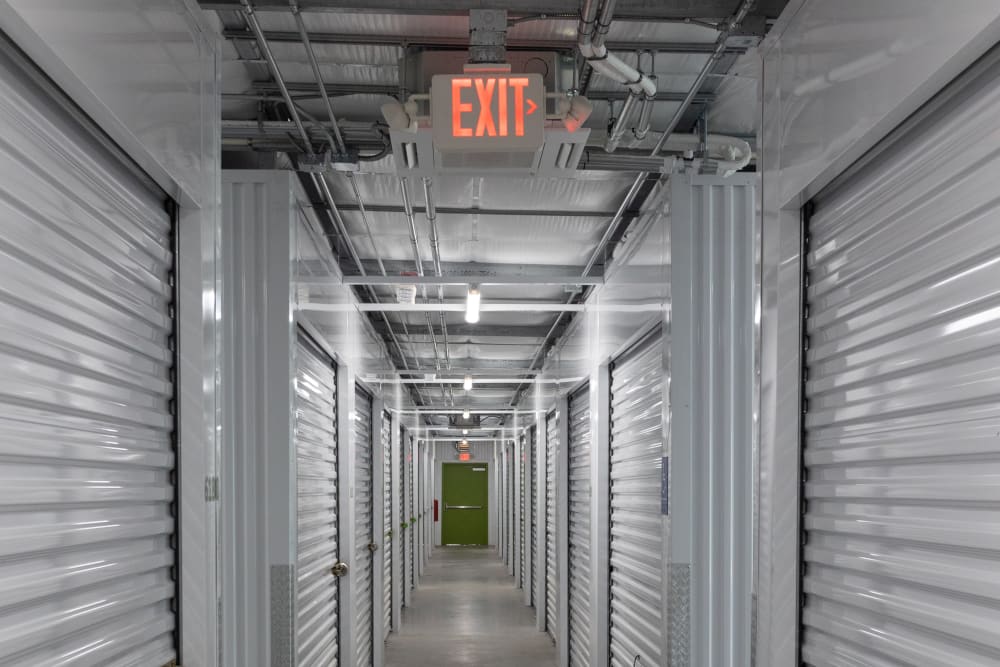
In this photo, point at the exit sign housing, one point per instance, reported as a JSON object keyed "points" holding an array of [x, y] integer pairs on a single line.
{"points": [[488, 112]]}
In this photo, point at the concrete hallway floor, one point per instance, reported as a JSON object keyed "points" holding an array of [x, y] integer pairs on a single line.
{"points": [[468, 612]]}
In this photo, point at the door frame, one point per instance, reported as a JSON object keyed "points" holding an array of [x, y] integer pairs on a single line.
{"points": [[489, 499]]}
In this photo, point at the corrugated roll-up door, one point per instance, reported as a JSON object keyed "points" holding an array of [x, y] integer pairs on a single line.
{"points": [[402, 515], [551, 553], [87, 455], [637, 608], [364, 515], [411, 531], [532, 452], [523, 505], [387, 521], [902, 413], [510, 505], [579, 528], [316, 590]]}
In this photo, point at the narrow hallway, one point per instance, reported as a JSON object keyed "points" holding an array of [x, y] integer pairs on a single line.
{"points": [[468, 612]]}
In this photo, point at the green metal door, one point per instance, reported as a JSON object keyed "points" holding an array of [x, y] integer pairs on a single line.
{"points": [[465, 496]]}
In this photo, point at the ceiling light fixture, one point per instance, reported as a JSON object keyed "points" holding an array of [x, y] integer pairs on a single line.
{"points": [[465, 414], [465, 431], [467, 385], [472, 305]]}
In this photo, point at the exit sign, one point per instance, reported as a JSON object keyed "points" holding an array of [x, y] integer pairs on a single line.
{"points": [[486, 112]]}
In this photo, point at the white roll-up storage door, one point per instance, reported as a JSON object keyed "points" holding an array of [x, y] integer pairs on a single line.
{"points": [[403, 517], [316, 589], [522, 503], [411, 531], [87, 455], [579, 528], [386, 548], [364, 525], [532, 452], [551, 552], [637, 607], [902, 397]]}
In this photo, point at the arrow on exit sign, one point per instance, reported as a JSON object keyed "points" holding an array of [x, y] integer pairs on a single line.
{"points": [[488, 112]]}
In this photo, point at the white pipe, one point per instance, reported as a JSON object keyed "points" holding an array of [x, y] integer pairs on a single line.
{"points": [[621, 123], [607, 63], [730, 153]]}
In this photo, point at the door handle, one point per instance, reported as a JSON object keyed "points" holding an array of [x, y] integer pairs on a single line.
{"points": [[372, 547], [462, 507], [339, 569]]}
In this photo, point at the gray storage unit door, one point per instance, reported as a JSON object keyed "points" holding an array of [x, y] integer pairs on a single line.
{"points": [[411, 531], [510, 505], [87, 455], [902, 413], [533, 476], [316, 599], [637, 610], [551, 552], [579, 528], [523, 505], [387, 521], [402, 514], [364, 515]]}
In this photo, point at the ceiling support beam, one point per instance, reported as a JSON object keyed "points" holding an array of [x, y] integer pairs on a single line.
{"points": [[464, 330], [505, 307], [626, 10], [425, 41], [463, 280], [304, 91], [482, 271]]}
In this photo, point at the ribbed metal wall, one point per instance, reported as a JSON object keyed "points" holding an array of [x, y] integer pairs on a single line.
{"points": [[522, 502], [386, 547], [551, 554], [403, 516], [637, 602], [364, 515], [532, 452], [579, 529], [87, 454], [316, 590], [411, 512], [901, 446]]}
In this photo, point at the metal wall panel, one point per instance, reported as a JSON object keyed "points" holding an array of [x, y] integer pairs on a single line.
{"points": [[579, 528], [364, 518], [387, 521], [637, 608], [902, 392], [411, 504], [404, 449], [86, 425], [316, 589], [712, 426], [551, 553], [533, 522], [522, 502]]}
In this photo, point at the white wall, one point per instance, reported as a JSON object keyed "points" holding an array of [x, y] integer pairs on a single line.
{"points": [[837, 78], [147, 73]]}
